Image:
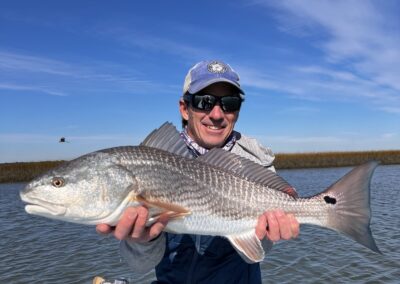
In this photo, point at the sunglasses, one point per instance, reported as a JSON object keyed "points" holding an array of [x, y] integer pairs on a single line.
{"points": [[206, 102]]}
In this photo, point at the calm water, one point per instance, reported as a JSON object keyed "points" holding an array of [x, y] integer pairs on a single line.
{"points": [[39, 250]]}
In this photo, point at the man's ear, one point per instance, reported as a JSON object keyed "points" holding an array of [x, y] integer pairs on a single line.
{"points": [[183, 108]]}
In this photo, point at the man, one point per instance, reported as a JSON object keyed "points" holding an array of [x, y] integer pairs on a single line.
{"points": [[209, 108]]}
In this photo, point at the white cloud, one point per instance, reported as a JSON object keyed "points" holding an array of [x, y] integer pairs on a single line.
{"points": [[60, 77], [12, 87], [360, 42], [362, 33], [15, 61]]}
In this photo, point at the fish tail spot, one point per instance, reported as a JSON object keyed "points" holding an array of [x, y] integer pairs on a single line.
{"points": [[330, 200]]}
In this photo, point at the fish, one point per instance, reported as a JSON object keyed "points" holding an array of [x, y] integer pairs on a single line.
{"points": [[217, 194]]}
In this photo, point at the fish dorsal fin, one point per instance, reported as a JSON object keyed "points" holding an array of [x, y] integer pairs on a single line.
{"points": [[247, 169], [248, 246], [167, 138]]}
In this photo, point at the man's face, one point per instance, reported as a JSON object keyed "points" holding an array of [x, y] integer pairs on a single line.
{"points": [[210, 129]]}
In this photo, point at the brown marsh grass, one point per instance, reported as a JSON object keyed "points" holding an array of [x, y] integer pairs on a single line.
{"points": [[335, 159], [22, 172]]}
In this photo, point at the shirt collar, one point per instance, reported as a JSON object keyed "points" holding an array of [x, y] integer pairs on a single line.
{"points": [[197, 150]]}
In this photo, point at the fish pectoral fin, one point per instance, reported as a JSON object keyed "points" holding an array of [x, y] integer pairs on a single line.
{"points": [[173, 211], [175, 215], [171, 215], [248, 246]]}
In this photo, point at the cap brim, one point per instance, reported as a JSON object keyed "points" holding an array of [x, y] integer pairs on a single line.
{"points": [[194, 88]]}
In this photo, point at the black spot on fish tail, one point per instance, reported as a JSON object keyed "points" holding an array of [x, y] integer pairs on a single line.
{"points": [[330, 200]]}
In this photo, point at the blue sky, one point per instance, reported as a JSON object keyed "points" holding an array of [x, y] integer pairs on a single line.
{"points": [[318, 75]]}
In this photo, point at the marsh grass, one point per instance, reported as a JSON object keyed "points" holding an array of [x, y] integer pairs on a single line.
{"points": [[335, 159], [22, 172]]}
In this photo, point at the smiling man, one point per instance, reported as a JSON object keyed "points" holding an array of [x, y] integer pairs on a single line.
{"points": [[207, 122], [210, 106]]}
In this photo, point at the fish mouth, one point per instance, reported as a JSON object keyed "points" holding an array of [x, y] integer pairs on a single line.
{"points": [[40, 207]]}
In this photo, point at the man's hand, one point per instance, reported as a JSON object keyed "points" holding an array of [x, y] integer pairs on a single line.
{"points": [[132, 226], [276, 225]]}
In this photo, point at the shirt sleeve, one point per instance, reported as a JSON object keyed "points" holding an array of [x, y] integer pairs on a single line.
{"points": [[143, 257], [253, 150]]}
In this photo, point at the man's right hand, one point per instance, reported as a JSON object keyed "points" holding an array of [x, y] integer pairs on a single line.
{"points": [[132, 226]]}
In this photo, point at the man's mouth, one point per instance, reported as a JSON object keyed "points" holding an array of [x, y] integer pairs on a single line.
{"points": [[213, 127]]}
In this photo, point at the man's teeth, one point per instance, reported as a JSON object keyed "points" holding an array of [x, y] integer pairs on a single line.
{"points": [[213, 127]]}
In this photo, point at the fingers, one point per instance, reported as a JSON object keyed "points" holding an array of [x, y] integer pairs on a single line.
{"points": [[281, 226], [140, 224], [104, 229], [273, 232], [132, 225], [157, 227], [295, 226], [126, 223], [285, 227], [261, 228]]}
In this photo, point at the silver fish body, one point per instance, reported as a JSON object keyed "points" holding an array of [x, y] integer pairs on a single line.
{"points": [[216, 194]]}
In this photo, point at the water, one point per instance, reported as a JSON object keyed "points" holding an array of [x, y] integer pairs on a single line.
{"points": [[40, 250]]}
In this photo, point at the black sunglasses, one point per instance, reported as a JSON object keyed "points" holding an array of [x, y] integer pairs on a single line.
{"points": [[206, 102]]}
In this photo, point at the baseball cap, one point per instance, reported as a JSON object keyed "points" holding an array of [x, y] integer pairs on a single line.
{"points": [[209, 72]]}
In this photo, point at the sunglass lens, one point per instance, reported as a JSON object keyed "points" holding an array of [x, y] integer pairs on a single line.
{"points": [[207, 102], [204, 102], [231, 104]]}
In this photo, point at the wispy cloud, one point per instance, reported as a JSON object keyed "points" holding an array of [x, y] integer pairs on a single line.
{"points": [[12, 87], [359, 45], [159, 43], [317, 83], [38, 73], [357, 33], [21, 62], [167, 46]]}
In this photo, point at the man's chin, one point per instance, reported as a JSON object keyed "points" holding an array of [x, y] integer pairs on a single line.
{"points": [[213, 144]]}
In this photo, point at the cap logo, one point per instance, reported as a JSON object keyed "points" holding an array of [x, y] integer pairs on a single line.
{"points": [[216, 67]]}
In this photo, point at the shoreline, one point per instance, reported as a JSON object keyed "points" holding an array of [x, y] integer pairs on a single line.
{"points": [[26, 171]]}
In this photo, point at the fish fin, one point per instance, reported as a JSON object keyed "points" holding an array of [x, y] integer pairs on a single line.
{"points": [[248, 246], [170, 214], [350, 201], [247, 169], [167, 138], [173, 210], [175, 215]]}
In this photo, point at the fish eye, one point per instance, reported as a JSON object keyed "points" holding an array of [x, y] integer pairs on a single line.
{"points": [[57, 182]]}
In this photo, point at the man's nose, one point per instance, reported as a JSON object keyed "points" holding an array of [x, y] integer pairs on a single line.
{"points": [[216, 112]]}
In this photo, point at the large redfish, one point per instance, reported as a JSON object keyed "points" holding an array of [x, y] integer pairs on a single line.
{"points": [[218, 194]]}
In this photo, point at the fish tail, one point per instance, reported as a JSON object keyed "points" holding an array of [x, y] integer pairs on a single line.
{"points": [[350, 213]]}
